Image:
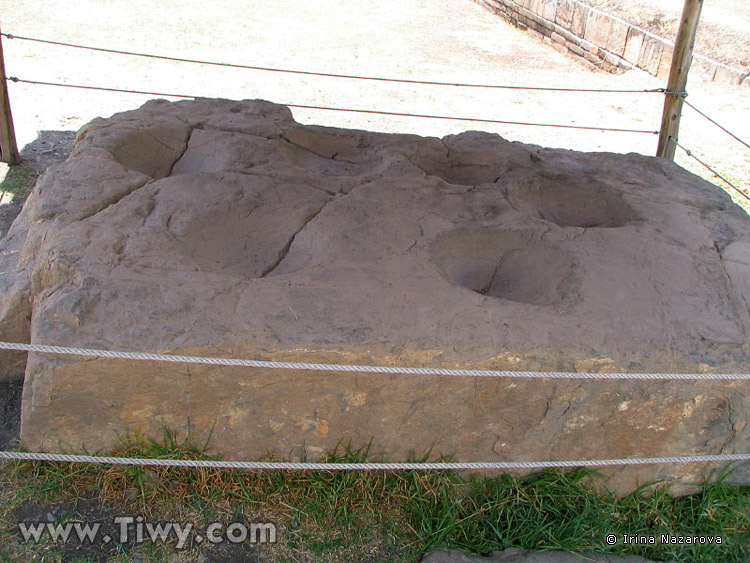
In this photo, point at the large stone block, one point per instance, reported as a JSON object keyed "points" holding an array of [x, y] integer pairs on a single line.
{"points": [[536, 6], [536, 31], [580, 16], [704, 67], [665, 62], [651, 54], [727, 75], [633, 45], [575, 49], [564, 15], [549, 9], [598, 26], [618, 35], [227, 229]]}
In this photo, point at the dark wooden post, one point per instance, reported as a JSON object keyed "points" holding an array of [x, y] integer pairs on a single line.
{"points": [[8, 147], [678, 75]]}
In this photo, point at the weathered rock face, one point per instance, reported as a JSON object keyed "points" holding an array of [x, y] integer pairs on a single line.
{"points": [[225, 228]]}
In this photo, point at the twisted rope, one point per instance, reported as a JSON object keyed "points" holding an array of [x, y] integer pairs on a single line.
{"points": [[267, 364], [310, 466]]}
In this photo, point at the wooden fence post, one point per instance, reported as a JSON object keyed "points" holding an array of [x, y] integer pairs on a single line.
{"points": [[678, 75], [8, 146]]}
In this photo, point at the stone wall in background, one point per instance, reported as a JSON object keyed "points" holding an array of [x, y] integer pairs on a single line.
{"points": [[603, 40]]}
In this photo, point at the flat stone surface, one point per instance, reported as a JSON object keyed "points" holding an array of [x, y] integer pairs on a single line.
{"points": [[226, 229]]}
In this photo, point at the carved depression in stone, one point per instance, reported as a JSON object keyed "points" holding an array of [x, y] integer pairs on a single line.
{"points": [[227, 229]]}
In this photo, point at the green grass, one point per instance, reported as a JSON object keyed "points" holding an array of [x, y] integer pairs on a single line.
{"points": [[16, 186], [19, 180], [334, 515]]}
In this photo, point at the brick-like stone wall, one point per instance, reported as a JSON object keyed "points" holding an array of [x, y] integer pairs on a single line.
{"points": [[603, 40]]}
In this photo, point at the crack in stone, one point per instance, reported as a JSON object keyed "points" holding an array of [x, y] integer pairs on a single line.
{"points": [[486, 289], [119, 197], [284, 251], [109, 154], [155, 138], [204, 127], [446, 146], [185, 146], [733, 297], [549, 401], [667, 330], [263, 174], [732, 429], [333, 157], [116, 199], [150, 210], [415, 165], [421, 235]]}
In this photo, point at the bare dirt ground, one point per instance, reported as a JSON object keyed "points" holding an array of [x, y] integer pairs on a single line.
{"points": [[446, 40]]}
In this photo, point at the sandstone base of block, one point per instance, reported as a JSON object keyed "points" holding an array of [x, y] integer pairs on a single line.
{"points": [[251, 413]]}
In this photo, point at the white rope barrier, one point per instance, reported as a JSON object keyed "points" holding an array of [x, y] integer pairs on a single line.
{"points": [[407, 466], [265, 364], [309, 466]]}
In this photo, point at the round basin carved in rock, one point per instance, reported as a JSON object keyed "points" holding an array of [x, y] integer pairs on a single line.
{"points": [[507, 264]]}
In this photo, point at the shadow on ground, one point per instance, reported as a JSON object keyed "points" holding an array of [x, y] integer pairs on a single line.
{"points": [[10, 412], [49, 148]]}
